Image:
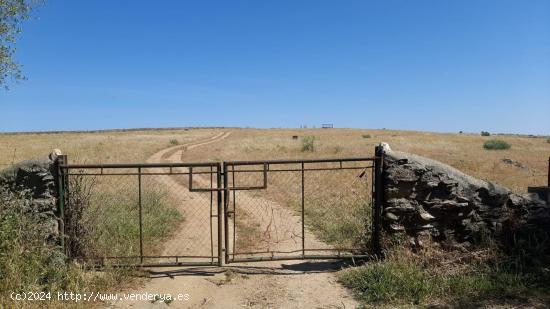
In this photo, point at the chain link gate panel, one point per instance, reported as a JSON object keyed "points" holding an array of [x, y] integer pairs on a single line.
{"points": [[298, 209], [142, 214], [169, 214]]}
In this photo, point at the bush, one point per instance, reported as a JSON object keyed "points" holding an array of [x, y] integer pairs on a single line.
{"points": [[485, 133], [308, 143], [28, 260], [367, 136], [548, 140], [174, 142], [496, 144]]}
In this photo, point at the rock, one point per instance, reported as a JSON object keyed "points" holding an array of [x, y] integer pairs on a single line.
{"points": [[54, 154], [401, 206], [514, 163], [426, 195], [37, 176], [425, 216], [385, 147], [397, 227], [391, 216]]}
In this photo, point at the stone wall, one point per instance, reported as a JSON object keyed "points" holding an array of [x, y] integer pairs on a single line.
{"points": [[37, 176], [426, 197]]}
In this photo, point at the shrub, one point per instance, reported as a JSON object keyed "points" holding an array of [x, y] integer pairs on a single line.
{"points": [[28, 260], [485, 133], [548, 140], [308, 143], [496, 144], [174, 142], [367, 136]]}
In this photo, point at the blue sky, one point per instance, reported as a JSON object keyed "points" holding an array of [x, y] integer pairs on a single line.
{"points": [[421, 65]]}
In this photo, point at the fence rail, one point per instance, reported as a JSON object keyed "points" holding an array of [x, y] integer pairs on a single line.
{"points": [[168, 214]]}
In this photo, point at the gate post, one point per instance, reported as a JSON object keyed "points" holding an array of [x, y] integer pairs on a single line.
{"points": [[221, 216], [60, 180], [378, 200], [225, 218]]}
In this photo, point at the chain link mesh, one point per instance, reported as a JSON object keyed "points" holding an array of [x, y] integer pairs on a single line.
{"points": [[307, 209], [176, 225]]}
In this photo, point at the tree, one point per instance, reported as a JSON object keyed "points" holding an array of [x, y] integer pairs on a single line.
{"points": [[12, 13]]}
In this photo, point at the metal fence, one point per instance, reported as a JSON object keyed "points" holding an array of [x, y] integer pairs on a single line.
{"points": [[171, 214], [310, 209], [142, 214]]}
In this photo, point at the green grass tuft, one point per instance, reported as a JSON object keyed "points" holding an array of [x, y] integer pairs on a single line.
{"points": [[402, 281], [496, 144], [308, 143]]}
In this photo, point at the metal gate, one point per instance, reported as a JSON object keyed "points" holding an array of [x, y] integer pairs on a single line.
{"points": [[164, 214], [298, 209], [178, 214]]}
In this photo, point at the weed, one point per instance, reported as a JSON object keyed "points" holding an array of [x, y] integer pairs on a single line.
{"points": [[366, 136], [496, 144], [112, 222], [401, 280], [29, 263], [341, 227], [308, 143]]}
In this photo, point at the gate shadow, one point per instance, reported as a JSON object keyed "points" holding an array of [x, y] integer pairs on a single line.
{"points": [[282, 269]]}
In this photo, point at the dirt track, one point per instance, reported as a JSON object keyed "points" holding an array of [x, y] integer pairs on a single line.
{"points": [[274, 284]]}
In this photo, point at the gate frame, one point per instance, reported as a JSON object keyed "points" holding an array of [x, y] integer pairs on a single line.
{"points": [[223, 190], [376, 203], [63, 174]]}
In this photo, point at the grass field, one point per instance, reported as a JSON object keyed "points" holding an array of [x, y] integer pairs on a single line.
{"points": [[462, 151], [526, 164], [99, 147]]}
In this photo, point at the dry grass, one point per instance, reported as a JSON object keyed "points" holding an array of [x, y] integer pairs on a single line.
{"points": [[462, 151], [99, 147]]}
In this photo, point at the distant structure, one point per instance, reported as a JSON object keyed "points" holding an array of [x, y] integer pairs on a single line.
{"points": [[327, 126]]}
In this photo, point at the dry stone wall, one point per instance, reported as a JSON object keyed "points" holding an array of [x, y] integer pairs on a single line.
{"points": [[37, 176], [426, 197]]}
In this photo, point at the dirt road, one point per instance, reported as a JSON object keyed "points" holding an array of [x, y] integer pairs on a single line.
{"points": [[274, 284]]}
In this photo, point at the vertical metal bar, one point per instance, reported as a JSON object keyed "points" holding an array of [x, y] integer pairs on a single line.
{"points": [[140, 218], [220, 235], [225, 212], [303, 215], [211, 215], [266, 167], [60, 180], [378, 199], [190, 178], [234, 210]]}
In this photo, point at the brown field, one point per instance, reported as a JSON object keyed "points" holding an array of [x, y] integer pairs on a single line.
{"points": [[329, 218], [462, 151], [99, 147]]}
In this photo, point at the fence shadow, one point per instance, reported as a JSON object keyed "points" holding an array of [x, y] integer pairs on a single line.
{"points": [[309, 267]]}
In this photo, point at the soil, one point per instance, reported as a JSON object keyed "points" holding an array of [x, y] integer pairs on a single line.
{"points": [[270, 284]]}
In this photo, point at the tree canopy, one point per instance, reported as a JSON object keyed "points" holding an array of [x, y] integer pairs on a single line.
{"points": [[12, 13]]}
